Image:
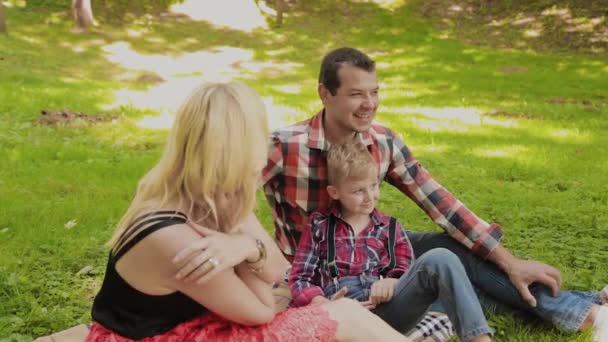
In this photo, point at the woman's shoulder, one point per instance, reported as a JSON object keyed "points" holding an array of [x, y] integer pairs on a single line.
{"points": [[148, 266], [172, 238], [147, 224]]}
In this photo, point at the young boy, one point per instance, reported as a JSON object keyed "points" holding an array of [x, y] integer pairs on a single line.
{"points": [[353, 250]]}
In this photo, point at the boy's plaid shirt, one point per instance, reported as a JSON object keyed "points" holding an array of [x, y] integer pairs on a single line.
{"points": [[363, 254], [295, 179]]}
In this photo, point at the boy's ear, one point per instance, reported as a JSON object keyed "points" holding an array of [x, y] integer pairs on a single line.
{"points": [[333, 192]]}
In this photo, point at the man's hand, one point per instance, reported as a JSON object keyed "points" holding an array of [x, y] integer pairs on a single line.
{"points": [[522, 273], [382, 291]]}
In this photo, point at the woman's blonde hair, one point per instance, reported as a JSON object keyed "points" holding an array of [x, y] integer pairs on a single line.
{"points": [[351, 161], [217, 146]]}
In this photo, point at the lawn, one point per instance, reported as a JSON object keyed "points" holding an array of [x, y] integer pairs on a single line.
{"points": [[520, 136]]}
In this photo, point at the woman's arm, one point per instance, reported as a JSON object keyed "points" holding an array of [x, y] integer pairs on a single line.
{"points": [[149, 268], [229, 296], [259, 287], [275, 266], [231, 250]]}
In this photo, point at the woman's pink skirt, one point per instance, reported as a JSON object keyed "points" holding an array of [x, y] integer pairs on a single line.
{"points": [[308, 323]]}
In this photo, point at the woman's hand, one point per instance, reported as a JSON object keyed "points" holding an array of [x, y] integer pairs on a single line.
{"points": [[213, 253]]}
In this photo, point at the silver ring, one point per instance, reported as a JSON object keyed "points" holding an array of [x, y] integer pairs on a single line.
{"points": [[214, 262]]}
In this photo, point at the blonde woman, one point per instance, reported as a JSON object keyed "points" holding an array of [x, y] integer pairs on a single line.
{"points": [[203, 189]]}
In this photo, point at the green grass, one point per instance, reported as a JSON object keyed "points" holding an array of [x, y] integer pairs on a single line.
{"points": [[525, 149]]}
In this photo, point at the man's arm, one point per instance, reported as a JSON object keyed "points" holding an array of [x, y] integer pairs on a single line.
{"points": [[406, 173], [274, 164]]}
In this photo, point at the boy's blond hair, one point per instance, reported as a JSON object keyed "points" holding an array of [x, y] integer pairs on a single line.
{"points": [[350, 161]]}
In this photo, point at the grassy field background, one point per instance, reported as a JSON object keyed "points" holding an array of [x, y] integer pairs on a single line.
{"points": [[517, 130]]}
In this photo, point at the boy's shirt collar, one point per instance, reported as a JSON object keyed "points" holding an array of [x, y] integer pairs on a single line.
{"points": [[316, 134], [378, 219]]}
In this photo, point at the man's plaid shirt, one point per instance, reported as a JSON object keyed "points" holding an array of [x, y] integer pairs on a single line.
{"points": [[363, 254], [295, 179]]}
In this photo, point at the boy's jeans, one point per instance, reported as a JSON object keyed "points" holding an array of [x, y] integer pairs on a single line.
{"points": [[437, 275], [567, 311]]}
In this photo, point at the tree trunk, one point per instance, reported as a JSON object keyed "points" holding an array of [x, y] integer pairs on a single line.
{"points": [[83, 14], [2, 19], [281, 6]]}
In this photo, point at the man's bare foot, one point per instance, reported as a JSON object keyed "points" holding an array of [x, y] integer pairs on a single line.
{"points": [[604, 295], [600, 325]]}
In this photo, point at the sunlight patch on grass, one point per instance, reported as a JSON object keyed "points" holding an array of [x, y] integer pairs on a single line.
{"points": [[82, 46], [569, 135], [438, 126], [423, 149], [289, 88], [400, 86], [180, 74], [241, 15], [512, 152], [278, 116], [386, 4], [163, 121], [29, 39], [451, 118], [164, 97], [210, 62], [532, 33]]}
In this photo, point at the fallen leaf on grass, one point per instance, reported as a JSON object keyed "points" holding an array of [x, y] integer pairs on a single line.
{"points": [[513, 69], [71, 224], [85, 270]]}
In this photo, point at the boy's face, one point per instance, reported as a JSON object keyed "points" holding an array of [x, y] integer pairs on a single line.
{"points": [[356, 196]]}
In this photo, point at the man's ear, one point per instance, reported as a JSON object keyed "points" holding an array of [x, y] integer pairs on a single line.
{"points": [[323, 93], [333, 192]]}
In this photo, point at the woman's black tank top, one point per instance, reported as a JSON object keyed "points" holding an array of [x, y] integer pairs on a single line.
{"points": [[129, 312]]}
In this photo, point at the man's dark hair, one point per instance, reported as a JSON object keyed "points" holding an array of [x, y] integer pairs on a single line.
{"points": [[328, 76]]}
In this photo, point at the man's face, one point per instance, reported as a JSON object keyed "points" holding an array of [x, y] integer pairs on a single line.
{"points": [[354, 105]]}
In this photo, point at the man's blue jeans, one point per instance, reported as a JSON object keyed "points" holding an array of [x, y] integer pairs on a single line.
{"points": [[496, 293], [437, 275]]}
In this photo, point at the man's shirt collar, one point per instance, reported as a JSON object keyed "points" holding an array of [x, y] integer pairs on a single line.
{"points": [[316, 134]]}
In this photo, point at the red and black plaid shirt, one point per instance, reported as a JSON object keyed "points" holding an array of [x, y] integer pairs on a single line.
{"points": [[295, 179], [365, 253]]}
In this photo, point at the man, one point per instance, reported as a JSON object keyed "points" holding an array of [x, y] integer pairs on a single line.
{"points": [[295, 179]]}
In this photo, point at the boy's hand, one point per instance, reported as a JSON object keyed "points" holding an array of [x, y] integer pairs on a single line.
{"points": [[382, 291], [320, 299]]}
